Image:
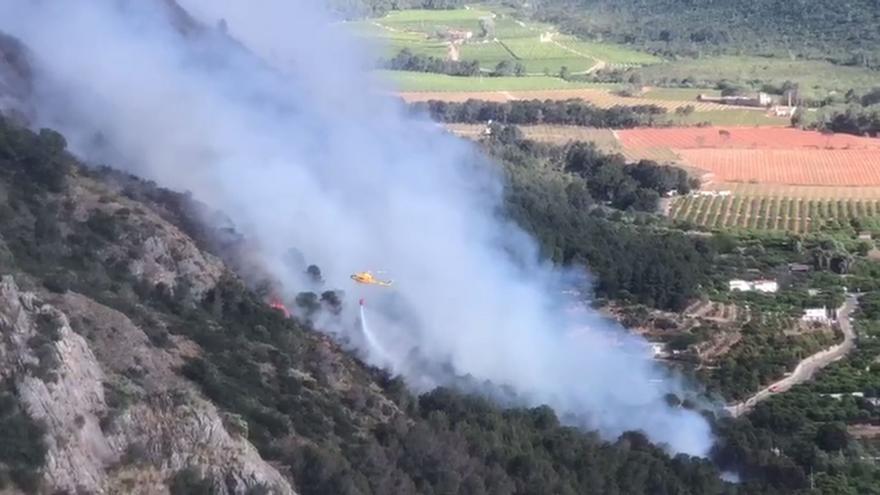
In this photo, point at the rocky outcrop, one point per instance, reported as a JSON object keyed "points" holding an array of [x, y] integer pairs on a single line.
{"points": [[173, 431], [117, 417], [155, 251]]}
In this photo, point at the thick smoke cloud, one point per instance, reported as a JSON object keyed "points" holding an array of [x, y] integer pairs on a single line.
{"points": [[302, 148]]}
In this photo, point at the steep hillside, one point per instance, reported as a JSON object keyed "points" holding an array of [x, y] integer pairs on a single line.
{"points": [[134, 361], [107, 407]]}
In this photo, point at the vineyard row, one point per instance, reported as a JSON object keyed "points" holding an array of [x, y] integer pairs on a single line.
{"points": [[775, 213]]}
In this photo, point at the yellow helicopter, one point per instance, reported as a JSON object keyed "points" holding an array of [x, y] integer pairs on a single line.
{"points": [[369, 279]]}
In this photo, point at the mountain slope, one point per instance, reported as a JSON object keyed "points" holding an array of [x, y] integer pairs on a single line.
{"points": [[117, 326], [114, 412]]}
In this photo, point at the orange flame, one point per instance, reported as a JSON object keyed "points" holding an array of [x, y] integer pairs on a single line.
{"points": [[277, 304]]}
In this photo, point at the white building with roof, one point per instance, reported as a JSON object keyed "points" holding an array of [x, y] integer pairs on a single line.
{"points": [[765, 285], [757, 285], [740, 285], [817, 315]]}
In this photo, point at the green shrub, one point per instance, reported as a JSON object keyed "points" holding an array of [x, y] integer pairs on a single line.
{"points": [[190, 481], [22, 449]]}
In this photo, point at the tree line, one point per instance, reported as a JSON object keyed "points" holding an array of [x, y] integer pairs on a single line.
{"points": [[524, 112], [408, 61], [860, 115]]}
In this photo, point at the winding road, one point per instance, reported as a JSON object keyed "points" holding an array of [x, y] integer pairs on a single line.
{"points": [[808, 366]]}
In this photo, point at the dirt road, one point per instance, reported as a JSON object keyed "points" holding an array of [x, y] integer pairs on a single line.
{"points": [[809, 366]]}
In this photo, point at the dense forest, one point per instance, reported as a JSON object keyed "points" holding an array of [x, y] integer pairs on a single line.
{"points": [[524, 112], [845, 33], [555, 193]]}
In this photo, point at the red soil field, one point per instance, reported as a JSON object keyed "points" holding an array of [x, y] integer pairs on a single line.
{"points": [[836, 167], [741, 138]]}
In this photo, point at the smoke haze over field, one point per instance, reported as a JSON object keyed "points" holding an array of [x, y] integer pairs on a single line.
{"points": [[301, 149]]}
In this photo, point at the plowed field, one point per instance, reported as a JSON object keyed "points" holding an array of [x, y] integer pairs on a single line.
{"points": [[741, 138], [840, 167]]}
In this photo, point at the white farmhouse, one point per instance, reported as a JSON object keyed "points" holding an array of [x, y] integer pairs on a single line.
{"points": [[766, 285], [740, 285], [817, 315], [757, 285]]}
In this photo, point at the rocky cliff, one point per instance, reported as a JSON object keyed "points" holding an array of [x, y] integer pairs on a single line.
{"points": [[90, 375], [117, 417]]}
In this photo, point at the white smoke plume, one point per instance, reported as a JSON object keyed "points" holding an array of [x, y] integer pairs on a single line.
{"points": [[303, 148]]}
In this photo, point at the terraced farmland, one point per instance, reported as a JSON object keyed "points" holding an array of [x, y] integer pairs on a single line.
{"points": [[775, 213]]}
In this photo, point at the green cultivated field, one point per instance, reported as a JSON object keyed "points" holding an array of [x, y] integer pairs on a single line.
{"points": [[489, 53], [816, 78], [421, 31], [732, 117], [428, 21], [612, 54], [422, 81], [678, 94]]}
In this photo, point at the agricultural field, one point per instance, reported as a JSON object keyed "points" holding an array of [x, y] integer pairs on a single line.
{"points": [[766, 155], [612, 55], [521, 88], [677, 94], [428, 21], [543, 52], [770, 178], [788, 166], [423, 86], [489, 53], [743, 138], [730, 117], [816, 78], [493, 37], [783, 213], [555, 134], [765, 178], [546, 57]]}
